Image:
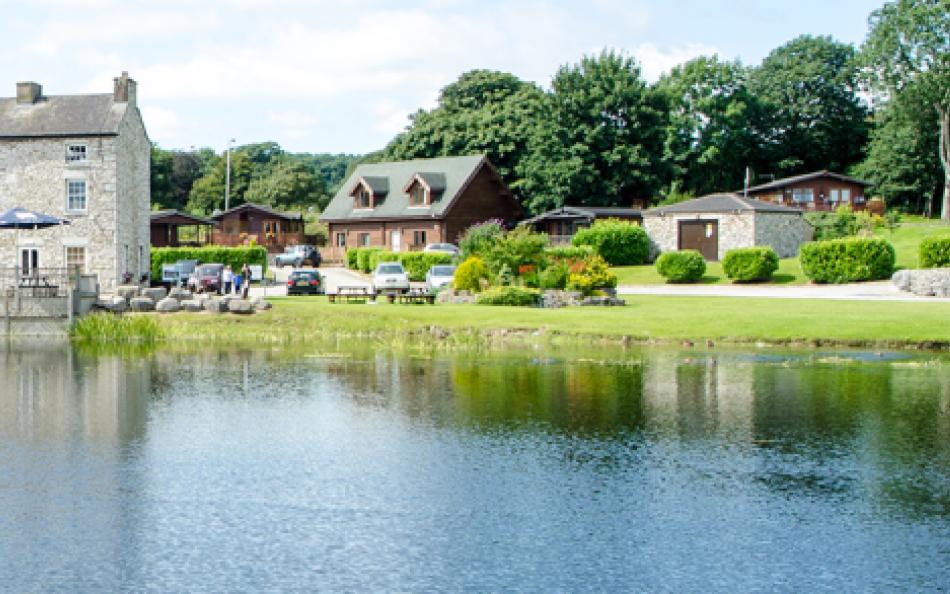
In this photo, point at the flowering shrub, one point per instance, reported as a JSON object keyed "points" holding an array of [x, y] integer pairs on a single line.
{"points": [[589, 275], [470, 274], [480, 238]]}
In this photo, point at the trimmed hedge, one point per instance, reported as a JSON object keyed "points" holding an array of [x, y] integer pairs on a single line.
{"points": [[568, 252], [236, 257], [618, 242], [847, 260], [684, 266], [516, 296], [935, 252], [745, 265], [415, 263], [352, 256], [363, 258]]}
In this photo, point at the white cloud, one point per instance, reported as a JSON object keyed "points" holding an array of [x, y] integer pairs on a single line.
{"points": [[162, 123], [654, 61]]}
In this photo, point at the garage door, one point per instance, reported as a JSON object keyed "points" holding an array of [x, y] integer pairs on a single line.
{"points": [[702, 236]]}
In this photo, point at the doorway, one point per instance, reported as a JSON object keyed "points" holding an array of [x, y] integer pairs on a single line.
{"points": [[395, 240], [702, 236], [29, 260]]}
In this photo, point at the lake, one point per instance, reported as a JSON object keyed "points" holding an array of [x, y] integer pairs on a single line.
{"points": [[559, 469]]}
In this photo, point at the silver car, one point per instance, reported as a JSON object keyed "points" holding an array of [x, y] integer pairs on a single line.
{"points": [[390, 277], [442, 248], [439, 276]]}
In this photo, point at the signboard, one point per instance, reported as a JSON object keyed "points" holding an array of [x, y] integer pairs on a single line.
{"points": [[257, 272]]}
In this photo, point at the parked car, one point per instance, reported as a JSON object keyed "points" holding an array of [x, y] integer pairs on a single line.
{"points": [[180, 271], [443, 248], [206, 278], [390, 277], [298, 255], [305, 282], [439, 276]]}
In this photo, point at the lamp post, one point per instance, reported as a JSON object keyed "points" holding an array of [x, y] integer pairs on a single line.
{"points": [[227, 179]]}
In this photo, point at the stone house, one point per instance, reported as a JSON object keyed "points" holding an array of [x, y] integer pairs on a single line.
{"points": [[405, 205], [84, 159], [717, 223]]}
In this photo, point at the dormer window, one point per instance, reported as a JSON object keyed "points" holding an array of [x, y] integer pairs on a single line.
{"points": [[418, 195], [364, 198], [369, 192]]}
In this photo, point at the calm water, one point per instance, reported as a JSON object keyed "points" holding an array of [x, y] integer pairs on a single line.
{"points": [[646, 470]]}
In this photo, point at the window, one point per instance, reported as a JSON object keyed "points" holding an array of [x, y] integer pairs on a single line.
{"points": [[362, 239], [76, 195], [418, 238], [846, 195], [803, 195], [29, 260], [417, 195], [76, 256], [341, 240], [75, 153], [834, 196], [364, 199]]}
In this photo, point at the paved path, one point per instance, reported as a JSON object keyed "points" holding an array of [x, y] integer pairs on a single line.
{"points": [[876, 291]]}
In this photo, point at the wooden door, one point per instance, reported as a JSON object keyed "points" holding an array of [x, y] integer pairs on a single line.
{"points": [[702, 236]]}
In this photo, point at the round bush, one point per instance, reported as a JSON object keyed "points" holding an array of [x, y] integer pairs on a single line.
{"points": [[684, 266], [847, 260], [620, 243], [745, 265], [518, 296], [935, 252], [469, 275]]}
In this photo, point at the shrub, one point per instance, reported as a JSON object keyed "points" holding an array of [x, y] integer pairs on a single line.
{"points": [[553, 277], [351, 256], [470, 274], [515, 250], [847, 260], [590, 275], [750, 264], [382, 256], [479, 239], [518, 296], [684, 266], [568, 253], [618, 242], [236, 257], [935, 252]]}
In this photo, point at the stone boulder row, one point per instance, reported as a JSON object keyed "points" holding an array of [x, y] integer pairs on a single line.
{"points": [[127, 292], [141, 304], [215, 306], [168, 305], [192, 305], [179, 293], [260, 304], [240, 306], [156, 294]]}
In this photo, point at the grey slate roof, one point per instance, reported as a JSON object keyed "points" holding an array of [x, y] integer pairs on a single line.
{"points": [[379, 185], [786, 181], [177, 217], [61, 115], [452, 173], [218, 215], [588, 212], [721, 203]]}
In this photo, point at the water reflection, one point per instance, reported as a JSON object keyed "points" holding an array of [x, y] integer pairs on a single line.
{"points": [[269, 469]]}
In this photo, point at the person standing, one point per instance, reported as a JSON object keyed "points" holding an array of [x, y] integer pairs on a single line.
{"points": [[227, 277], [246, 274]]}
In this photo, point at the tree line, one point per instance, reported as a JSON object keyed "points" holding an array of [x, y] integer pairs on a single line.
{"points": [[603, 136]]}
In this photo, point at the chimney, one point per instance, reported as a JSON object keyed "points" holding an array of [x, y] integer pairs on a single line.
{"points": [[28, 92], [124, 89]]}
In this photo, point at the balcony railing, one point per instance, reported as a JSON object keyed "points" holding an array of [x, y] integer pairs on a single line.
{"points": [[264, 239], [36, 282]]}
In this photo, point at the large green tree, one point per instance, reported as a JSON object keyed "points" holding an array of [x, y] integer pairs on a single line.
{"points": [[483, 112], [173, 174], [601, 140], [713, 132], [289, 185], [816, 120], [908, 52]]}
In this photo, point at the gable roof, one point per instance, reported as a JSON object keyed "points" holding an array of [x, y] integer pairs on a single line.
{"points": [[217, 216], [721, 203], [176, 217], [787, 181], [61, 115], [452, 174], [379, 186], [587, 212]]}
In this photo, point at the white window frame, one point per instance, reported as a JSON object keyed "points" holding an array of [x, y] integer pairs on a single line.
{"points": [[807, 193], [85, 196], [85, 256], [81, 156]]}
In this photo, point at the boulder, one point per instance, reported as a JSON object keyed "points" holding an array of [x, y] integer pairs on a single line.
{"points": [[141, 304], [127, 292], [260, 304], [929, 282], [240, 306], [179, 293], [168, 305], [901, 280], [215, 306], [156, 294], [192, 305]]}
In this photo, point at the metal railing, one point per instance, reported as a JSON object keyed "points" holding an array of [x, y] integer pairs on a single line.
{"points": [[37, 282]]}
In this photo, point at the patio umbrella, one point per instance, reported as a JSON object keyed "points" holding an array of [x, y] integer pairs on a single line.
{"points": [[20, 218]]}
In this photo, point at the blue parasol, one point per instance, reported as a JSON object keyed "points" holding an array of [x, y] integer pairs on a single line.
{"points": [[21, 218]]}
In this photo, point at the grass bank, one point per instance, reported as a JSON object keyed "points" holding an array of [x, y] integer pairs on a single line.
{"points": [[905, 239], [645, 319]]}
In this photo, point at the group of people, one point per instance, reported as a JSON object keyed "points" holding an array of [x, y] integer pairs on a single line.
{"points": [[239, 283]]}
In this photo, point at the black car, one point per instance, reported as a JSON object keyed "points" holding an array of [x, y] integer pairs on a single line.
{"points": [[305, 282]]}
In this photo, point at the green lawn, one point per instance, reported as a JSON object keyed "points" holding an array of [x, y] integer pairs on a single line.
{"points": [[748, 320], [905, 239]]}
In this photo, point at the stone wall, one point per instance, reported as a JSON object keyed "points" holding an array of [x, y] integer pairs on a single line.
{"points": [[783, 232], [133, 180]]}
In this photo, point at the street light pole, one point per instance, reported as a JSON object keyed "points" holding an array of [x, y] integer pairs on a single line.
{"points": [[227, 179]]}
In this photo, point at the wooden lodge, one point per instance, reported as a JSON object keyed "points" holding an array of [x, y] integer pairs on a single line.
{"points": [[263, 225], [562, 223], [816, 191], [172, 228]]}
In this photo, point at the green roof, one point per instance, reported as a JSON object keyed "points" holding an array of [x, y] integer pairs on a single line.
{"points": [[448, 174]]}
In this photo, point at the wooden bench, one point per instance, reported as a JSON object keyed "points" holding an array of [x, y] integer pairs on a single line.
{"points": [[417, 296], [351, 294]]}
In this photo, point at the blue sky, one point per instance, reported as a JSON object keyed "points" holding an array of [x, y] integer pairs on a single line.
{"points": [[341, 76]]}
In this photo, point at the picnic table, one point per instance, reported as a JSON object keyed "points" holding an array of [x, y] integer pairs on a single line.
{"points": [[417, 296], [351, 293]]}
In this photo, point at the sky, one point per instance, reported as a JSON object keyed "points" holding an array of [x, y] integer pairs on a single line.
{"points": [[342, 76]]}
